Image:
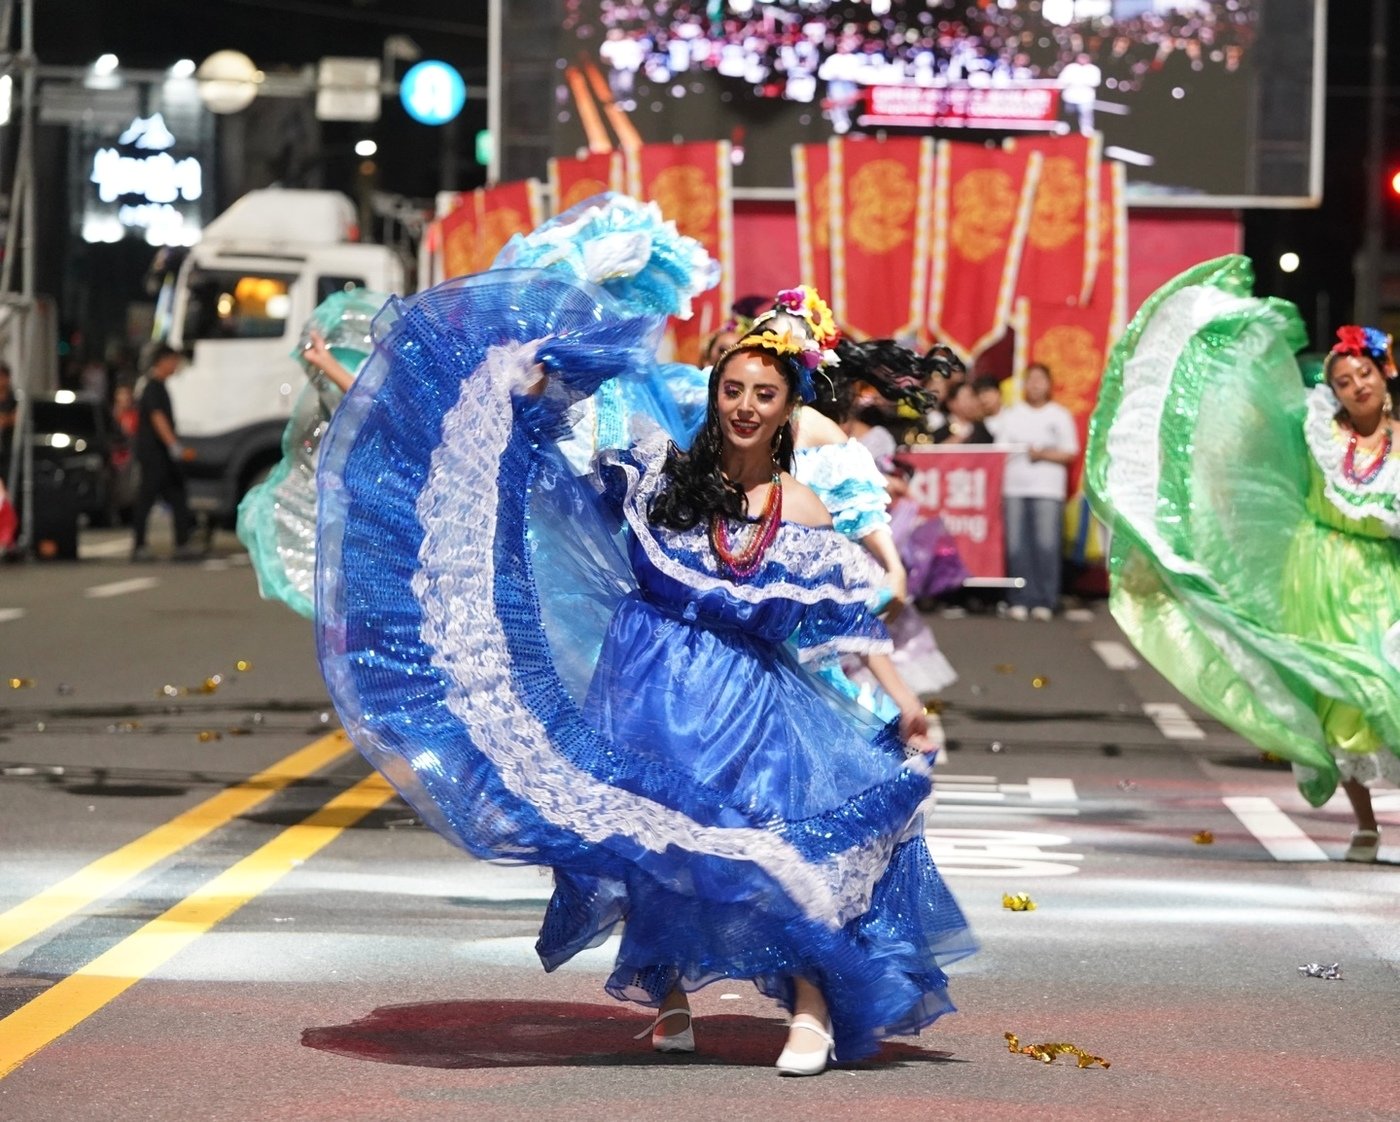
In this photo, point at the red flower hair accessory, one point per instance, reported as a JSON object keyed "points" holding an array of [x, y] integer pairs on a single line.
{"points": [[1365, 342]]}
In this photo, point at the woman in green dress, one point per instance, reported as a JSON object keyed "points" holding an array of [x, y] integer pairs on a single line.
{"points": [[1254, 520]]}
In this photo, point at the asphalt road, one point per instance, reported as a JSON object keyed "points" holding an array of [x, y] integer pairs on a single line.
{"points": [[208, 911]]}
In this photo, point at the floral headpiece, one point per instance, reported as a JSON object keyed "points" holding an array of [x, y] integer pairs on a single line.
{"points": [[1365, 342], [800, 328]]}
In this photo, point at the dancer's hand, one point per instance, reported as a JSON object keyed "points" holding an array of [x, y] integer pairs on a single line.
{"points": [[913, 729], [317, 354]]}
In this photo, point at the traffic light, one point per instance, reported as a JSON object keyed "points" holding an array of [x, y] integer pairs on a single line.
{"points": [[1393, 183]]}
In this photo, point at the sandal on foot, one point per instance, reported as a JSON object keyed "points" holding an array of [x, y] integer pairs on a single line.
{"points": [[1365, 844]]}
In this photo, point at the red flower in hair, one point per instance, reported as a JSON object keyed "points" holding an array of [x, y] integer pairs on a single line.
{"points": [[1351, 340]]}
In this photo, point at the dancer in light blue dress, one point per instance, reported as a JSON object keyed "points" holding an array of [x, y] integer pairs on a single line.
{"points": [[277, 517]]}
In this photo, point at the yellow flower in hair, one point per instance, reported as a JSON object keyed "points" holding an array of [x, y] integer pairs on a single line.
{"points": [[823, 322], [804, 301], [779, 342]]}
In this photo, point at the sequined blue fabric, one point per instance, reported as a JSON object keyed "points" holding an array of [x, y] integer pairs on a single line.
{"points": [[544, 683]]}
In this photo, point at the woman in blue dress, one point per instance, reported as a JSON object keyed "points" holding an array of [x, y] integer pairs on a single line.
{"points": [[602, 673]]}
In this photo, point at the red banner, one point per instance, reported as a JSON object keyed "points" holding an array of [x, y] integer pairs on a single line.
{"points": [[1025, 105], [1062, 245], [981, 209], [811, 178], [573, 179], [1071, 340], [484, 220], [963, 486], [882, 191], [691, 184]]}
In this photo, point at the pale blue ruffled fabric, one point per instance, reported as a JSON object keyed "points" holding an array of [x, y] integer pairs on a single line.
{"points": [[622, 245], [546, 678], [849, 484]]}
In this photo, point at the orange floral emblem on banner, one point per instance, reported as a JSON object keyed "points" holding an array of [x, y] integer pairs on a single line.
{"points": [[984, 207], [1075, 362], [687, 197], [471, 249], [579, 190], [880, 201], [1059, 203]]}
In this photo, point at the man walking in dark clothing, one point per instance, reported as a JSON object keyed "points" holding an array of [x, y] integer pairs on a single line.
{"points": [[159, 458]]}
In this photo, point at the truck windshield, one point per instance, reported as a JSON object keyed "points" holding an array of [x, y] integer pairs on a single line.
{"points": [[231, 304]]}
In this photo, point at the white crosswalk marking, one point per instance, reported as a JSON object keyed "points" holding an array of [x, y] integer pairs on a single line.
{"points": [[1115, 655], [8, 614], [1172, 721], [1276, 832], [984, 794], [113, 547], [120, 588]]}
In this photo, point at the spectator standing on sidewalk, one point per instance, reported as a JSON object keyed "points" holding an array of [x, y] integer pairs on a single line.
{"points": [[988, 390], [9, 410], [1033, 492], [160, 458], [963, 417]]}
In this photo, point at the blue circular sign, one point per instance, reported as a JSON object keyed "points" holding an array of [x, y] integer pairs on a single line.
{"points": [[433, 92]]}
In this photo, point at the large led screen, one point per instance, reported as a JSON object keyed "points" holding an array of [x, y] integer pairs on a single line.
{"points": [[1206, 101]]}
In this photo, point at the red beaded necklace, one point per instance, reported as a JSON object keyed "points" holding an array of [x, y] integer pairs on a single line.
{"points": [[744, 561], [1349, 460]]}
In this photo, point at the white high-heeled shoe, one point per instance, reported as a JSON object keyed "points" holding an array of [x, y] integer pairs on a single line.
{"points": [[683, 1041], [807, 1063]]}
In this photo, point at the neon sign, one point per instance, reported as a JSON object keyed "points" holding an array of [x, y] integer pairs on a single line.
{"points": [[147, 187]]}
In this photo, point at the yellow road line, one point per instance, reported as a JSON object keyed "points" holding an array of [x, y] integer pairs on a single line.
{"points": [[67, 1004], [107, 874]]}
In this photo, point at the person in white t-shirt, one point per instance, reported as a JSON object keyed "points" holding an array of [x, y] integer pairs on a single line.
{"points": [[1079, 89], [1033, 492]]}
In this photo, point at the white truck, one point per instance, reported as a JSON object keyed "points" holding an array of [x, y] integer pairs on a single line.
{"points": [[237, 307]]}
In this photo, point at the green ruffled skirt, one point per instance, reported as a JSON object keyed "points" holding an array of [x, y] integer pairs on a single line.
{"points": [[1222, 573]]}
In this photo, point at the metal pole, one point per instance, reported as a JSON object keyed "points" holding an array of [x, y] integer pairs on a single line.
{"points": [[22, 209], [1368, 279], [494, 86], [447, 155]]}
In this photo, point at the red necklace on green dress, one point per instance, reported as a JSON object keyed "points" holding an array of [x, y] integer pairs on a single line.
{"points": [[1349, 460]]}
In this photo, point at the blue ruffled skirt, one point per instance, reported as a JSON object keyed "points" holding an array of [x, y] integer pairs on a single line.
{"points": [[541, 691]]}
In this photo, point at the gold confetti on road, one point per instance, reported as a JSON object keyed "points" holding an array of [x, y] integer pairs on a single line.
{"points": [[1046, 1053]]}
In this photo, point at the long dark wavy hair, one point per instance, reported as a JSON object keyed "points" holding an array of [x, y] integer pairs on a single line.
{"points": [[886, 366], [695, 488]]}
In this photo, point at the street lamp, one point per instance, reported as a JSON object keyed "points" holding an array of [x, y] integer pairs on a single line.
{"points": [[228, 81]]}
